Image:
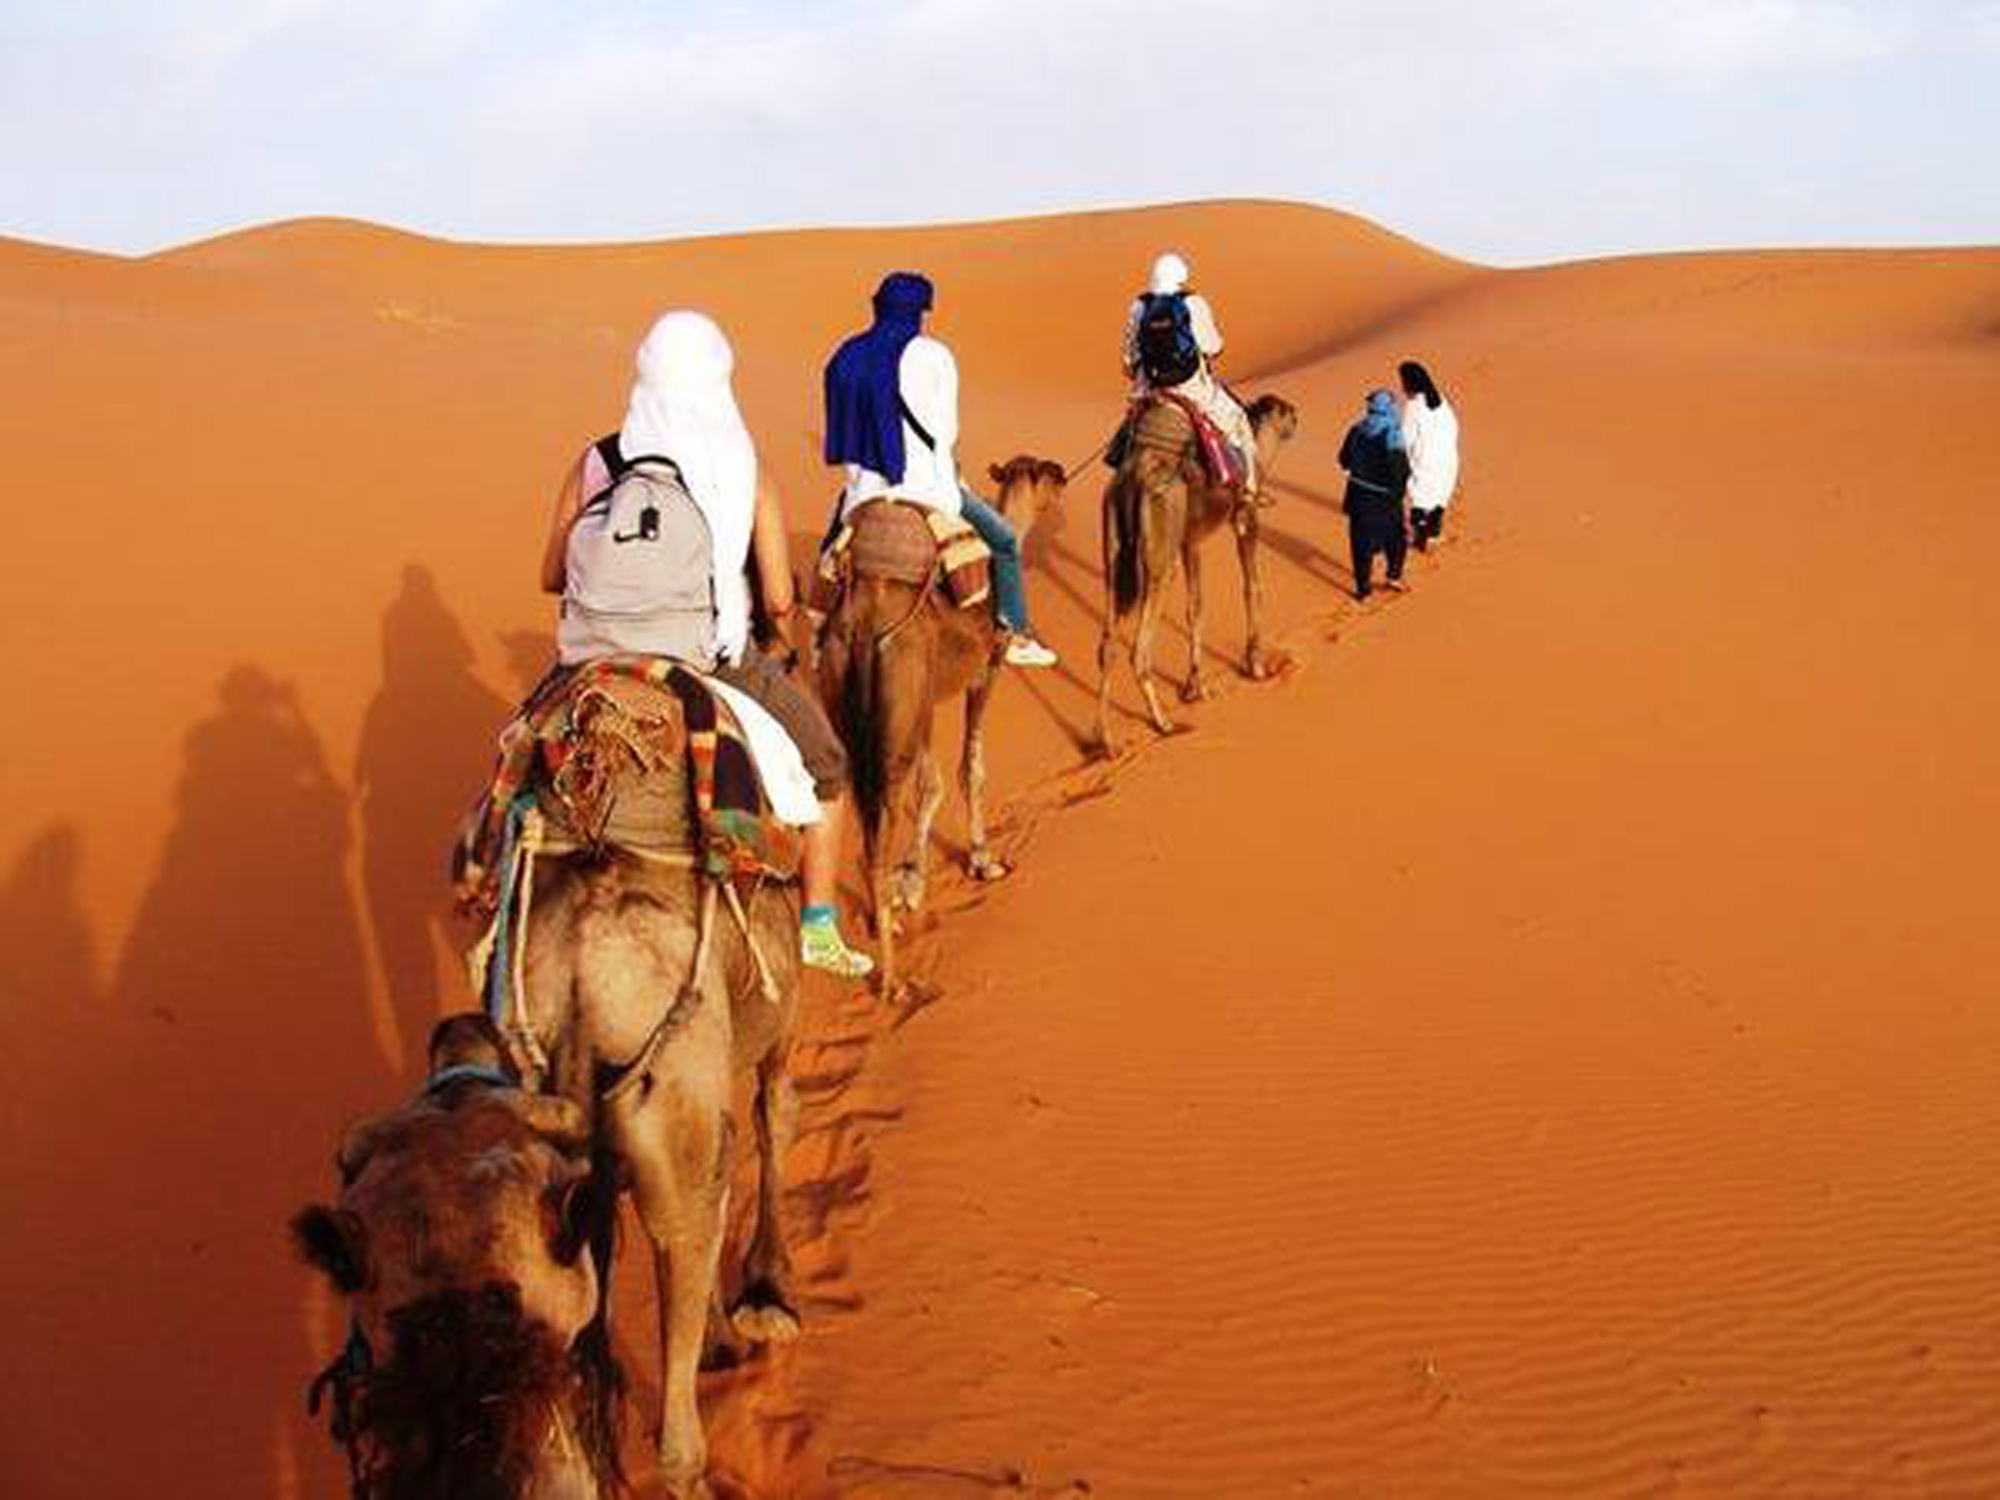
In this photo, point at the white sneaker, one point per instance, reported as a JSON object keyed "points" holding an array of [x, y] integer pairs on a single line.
{"points": [[1026, 651]]}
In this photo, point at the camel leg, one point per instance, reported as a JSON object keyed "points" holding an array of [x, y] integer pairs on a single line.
{"points": [[904, 719], [980, 858], [912, 879], [875, 839], [765, 1312], [1107, 646], [1245, 524], [882, 869], [1194, 689], [1107, 641], [681, 1188], [1142, 660]]}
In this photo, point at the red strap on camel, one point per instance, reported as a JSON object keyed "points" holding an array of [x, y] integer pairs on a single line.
{"points": [[1219, 458]]}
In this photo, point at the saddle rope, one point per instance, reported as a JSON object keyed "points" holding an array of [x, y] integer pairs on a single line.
{"points": [[533, 842]]}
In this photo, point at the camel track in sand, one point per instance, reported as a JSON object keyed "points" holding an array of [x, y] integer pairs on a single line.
{"points": [[767, 1440]]}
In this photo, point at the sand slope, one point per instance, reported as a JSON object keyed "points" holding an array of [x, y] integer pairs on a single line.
{"points": [[1572, 1080], [1546, 1047]]}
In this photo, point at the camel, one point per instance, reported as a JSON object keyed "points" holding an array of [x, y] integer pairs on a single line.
{"points": [[647, 989], [479, 1364], [890, 655], [1158, 509], [650, 1033]]}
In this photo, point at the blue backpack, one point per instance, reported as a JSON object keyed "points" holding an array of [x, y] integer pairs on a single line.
{"points": [[1167, 351]]}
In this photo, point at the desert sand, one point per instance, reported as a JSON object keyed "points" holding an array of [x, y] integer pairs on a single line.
{"points": [[1542, 1044]]}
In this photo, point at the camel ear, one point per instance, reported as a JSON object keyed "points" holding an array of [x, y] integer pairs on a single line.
{"points": [[1053, 473], [336, 1241], [997, 474], [570, 1212]]}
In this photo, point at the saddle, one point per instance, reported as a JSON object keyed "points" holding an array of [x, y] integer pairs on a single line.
{"points": [[624, 752], [905, 543], [1159, 419]]}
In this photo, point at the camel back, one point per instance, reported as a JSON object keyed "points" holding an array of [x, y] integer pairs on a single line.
{"points": [[905, 543]]}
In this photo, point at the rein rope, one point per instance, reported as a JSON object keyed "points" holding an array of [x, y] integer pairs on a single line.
{"points": [[1087, 460], [504, 955], [343, 1377], [924, 591]]}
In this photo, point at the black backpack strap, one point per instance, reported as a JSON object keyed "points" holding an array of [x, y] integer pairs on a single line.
{"points": [[923, 433], [613, 459], [601, 501]]}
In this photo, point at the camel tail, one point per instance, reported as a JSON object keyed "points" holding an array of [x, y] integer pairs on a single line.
{"points": [[861, 718], [1128, 558], [601, 1418]]}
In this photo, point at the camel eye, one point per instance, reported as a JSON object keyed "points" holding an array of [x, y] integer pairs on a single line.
{"points": [[336, 1241]]}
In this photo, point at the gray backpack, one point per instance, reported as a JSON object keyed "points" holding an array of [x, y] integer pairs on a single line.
{"points": [[639, 575]]}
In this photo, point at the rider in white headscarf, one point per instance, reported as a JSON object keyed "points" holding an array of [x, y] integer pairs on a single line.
{"points": [[1170, 278], [683, 408]]}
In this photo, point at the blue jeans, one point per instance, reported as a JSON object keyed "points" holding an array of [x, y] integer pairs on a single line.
{"points": [[1010, 594]]}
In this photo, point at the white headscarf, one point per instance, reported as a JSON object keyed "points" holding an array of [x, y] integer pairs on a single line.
{"points": [[682, 407], [1170, 274]]}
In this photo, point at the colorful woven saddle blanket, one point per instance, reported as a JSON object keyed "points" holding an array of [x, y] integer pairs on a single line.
{"points": [[906, 543], [1162, 419], [635, 752]]}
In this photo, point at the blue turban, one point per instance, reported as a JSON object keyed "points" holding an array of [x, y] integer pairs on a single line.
{"points": [[864, 408], [1381, 420]]}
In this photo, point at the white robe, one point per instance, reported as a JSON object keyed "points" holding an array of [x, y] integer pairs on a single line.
{"points": [[780, 767], [1430, 436]]}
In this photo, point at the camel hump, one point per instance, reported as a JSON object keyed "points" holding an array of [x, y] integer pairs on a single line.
{"points": [[903, 542], [1171, 421], [892, 539]]}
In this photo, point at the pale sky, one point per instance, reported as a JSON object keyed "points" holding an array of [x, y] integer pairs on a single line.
{"points": [[1508, 132]]}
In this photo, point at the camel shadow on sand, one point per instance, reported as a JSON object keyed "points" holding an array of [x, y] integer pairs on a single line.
{"points": [[190, 1104]]}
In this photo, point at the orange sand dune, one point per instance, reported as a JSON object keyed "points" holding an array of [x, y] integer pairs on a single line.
{"points": [[1536, 1047]]}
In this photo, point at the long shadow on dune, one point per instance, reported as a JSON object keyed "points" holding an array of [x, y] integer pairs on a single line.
{"points": [[47, 958], [1356, 336], [530, 654], [426, 748], [248, 1041], [1315, 562], [65, 1058], [50, 1001], [1173, 613], [1298, 491]]}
